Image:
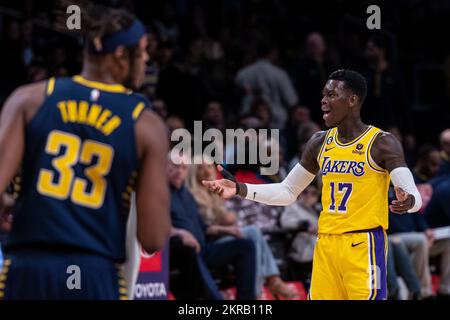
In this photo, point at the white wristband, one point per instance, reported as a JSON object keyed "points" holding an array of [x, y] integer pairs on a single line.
{"points": [[403, 178]]}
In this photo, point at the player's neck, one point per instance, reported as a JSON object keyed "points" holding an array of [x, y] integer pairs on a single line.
{"points": [[351, 128], [98, 73]]}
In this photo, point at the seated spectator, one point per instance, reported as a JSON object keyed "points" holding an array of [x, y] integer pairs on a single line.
{"points": [[261, 110], [36, 71], [249, 212], [399, 264], [245, 122], [191, 232], [276, 163], [408, 141], [214, 117], [302, 218], [418, 237], [428, 164], [222, 226], [298, 116], [306, 131], [437, 215], [174, 122], [160, 108]]}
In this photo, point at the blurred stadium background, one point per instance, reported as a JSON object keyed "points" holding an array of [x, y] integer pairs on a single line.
{"points": [[200, 57]]}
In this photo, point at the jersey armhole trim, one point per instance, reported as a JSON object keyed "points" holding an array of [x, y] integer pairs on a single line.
{"points": [[138, 110], [323, 146], [372, 164], [50, 86]]}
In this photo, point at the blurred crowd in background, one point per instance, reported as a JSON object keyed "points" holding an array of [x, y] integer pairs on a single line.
{"points": [[263, 64]]}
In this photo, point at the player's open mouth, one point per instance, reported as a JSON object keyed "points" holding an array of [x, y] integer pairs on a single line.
{"points": [[326, 114]]}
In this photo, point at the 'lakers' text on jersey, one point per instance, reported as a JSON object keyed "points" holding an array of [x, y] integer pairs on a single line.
{"points": [[75, 193], [355, 188]]}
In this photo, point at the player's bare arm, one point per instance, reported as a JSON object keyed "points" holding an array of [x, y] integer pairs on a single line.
{"points": [[18, 110], [309, 156], [283, 193], [387, 152], [152, 196]]}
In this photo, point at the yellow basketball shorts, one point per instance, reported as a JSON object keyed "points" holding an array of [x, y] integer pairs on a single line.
{"points": [[350, 266]]}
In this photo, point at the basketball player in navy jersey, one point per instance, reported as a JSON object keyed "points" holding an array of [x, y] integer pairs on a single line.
{"points": [[80, 146]]}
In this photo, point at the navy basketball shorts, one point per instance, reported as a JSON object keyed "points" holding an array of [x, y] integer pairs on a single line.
{"points": [[45, 275]]}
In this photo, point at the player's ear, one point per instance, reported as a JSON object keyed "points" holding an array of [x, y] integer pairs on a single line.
{"points": [[120, 53], [353, 100], [97, 44]]}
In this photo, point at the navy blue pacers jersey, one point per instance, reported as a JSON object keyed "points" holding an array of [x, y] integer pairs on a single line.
{"points": [[78, 170]]}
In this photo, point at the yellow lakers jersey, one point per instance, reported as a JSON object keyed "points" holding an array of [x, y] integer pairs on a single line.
{"points": [[355, 188]]}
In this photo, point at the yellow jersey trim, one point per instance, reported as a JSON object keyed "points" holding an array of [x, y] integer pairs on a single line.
{"points": [[3, 277], [372, 164], [324, 143], [373, 267], [99, 85], [137, 110], [50, 86], [341, 144]]}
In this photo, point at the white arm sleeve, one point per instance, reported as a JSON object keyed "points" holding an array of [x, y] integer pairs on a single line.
{"points": [[403, 178], [283, 193]]}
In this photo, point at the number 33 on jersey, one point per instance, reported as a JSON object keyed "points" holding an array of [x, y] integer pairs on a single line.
{"points": [[67, 185]]}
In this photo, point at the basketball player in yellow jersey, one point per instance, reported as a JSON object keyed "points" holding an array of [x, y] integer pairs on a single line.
{"points": [[357, 162]]}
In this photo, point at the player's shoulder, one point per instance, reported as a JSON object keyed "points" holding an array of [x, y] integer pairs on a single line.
{"points": [[28, 95], [138, 104], [28, 90], [385, 145], [137, 98], [386, 141], [317, 138], [150, 129], [315, 143]]}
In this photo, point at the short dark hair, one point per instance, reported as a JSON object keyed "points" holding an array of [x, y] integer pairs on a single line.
{"points": [[353, 81]]}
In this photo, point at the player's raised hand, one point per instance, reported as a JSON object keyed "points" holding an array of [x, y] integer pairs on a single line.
{"points": [[226, 188], [404, 202]]}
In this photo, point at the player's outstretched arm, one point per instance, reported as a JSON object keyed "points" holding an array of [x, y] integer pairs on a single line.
{"points": [[280, 194], [152, 191], [387, 152]]}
